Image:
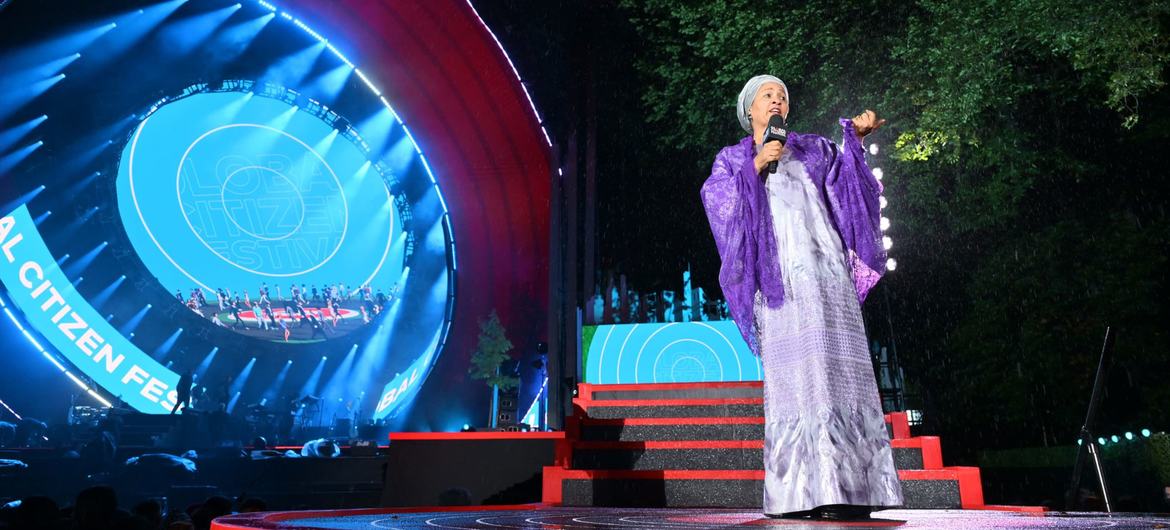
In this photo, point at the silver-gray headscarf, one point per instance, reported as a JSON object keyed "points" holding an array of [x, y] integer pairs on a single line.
{"points": [[748, 95]]}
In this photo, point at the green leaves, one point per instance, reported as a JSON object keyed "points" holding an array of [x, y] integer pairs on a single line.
{"points": [[492, 351], [1020, 129]]}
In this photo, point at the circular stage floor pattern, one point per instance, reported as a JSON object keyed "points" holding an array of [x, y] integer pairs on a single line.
{"points": [[673, 519]]}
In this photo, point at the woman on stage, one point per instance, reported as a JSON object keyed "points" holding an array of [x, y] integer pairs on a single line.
{"points": [[800, 247]]}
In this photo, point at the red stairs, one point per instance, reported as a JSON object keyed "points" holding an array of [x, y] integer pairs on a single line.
{"points": [[701, 445]]}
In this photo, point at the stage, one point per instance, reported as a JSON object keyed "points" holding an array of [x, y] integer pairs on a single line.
{"points": [[541, 516]]}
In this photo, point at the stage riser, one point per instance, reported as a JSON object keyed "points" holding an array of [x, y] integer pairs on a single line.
{"points": [[746, 494], [676, 411], [699, 459], [503, 471], [641, 433], [681, 412], [689, 393], [662, 433], [651, 459]]}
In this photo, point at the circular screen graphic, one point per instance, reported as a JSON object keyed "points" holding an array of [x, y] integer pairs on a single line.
{"points": [[262, 217]]}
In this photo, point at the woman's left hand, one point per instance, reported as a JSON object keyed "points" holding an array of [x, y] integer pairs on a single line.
{"points": [[866, 122]]}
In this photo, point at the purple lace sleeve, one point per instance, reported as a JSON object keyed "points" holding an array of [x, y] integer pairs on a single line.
{"points": [[737, 209], [853, 194]]}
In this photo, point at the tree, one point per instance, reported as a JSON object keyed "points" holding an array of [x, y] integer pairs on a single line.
{"points": [[491, 351], [1025, 181]]}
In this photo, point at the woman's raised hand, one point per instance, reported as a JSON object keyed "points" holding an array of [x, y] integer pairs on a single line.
{"points": [[866, 122], [770, 152]]}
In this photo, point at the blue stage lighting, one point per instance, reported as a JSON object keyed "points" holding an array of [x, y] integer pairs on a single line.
{"points": [[185, 35], [232, 403], [374, 352], [323, 146], [17, 98], [291, 70], [436, 237], [132, 324], [1100, 441], [23, 199], [238, 383], [227, 113], [75, 225], [11, 160], [338, 384], [206, 362], [165, 348], [41, 218], [377, 130], [133, 27], [231, 42], [104, 295], [19, 78], [327, 86], [1129, 436], [274, 388], [531, 417], [55, 48], [79, 265], [77, 187], [1146, 433], [9, 137], [310, 386], [1115, 439]]}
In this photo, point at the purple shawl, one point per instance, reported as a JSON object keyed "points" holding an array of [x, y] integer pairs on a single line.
{"points": [[741, 219]]}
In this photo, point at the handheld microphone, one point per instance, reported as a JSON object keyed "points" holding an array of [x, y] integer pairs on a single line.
{"points": [[776, 133]]}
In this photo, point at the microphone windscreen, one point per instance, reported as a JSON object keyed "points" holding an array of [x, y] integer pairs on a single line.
{"points": [[776, 130]]}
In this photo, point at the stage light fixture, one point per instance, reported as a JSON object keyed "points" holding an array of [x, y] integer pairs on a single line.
{"points": [[884, 223], [891, 264], [1129, 436], [877, 173], [1146, 433], [882, 203], [873, 149], [1115, 439], [887, 243], [1101, 441]]}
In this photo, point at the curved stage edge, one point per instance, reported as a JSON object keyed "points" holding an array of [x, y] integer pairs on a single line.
{"points": [[547, 516]]}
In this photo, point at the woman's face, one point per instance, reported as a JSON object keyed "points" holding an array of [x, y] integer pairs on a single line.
{"points": [[771, 99]]}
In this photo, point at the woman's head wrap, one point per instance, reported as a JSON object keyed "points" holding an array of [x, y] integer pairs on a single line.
{"points": [[748, 95]]}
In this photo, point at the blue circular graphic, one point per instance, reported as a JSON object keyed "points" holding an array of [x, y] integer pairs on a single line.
{"points": [[236, 193]]}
